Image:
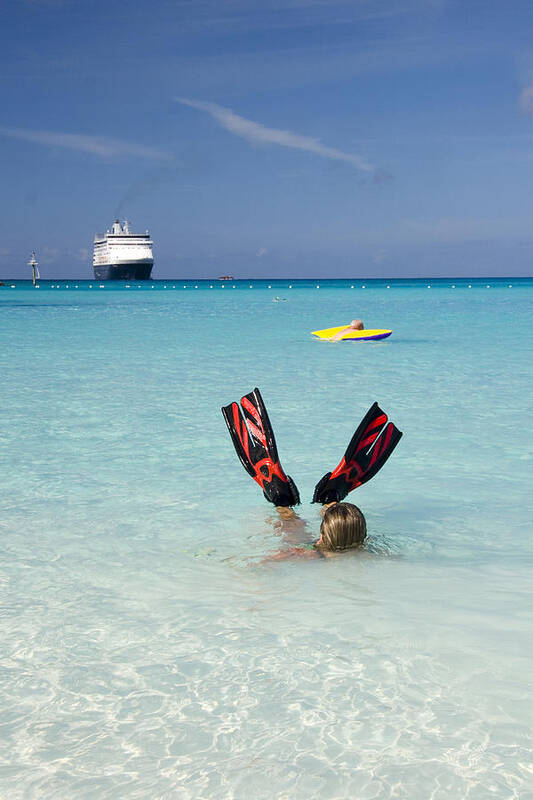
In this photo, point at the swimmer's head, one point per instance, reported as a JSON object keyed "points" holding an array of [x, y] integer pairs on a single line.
{"points": [[357, 325], [343, 527]]}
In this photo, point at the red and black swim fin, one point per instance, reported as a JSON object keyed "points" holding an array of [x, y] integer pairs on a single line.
{"points": [[253, 439], [370, 446]]}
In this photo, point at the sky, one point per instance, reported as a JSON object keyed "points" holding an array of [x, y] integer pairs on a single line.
{"points": [[269, 138]]}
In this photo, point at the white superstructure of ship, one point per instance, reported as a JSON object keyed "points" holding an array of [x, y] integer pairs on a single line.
{"points": [[120, 254]]}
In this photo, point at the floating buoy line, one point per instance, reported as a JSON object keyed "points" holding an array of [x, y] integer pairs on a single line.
{"points": [[166, 286]]}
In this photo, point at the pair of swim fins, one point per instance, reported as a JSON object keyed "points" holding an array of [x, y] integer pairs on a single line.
{"points": [[253, 439]]}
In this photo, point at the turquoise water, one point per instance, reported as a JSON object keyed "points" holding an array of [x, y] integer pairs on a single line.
{"points": [[149, 647]]}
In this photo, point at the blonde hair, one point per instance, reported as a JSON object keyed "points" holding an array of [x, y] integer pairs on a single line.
{"points": [[343, 526]]}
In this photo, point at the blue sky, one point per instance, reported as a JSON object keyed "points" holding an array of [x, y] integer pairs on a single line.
{"points": [[275, 138]]}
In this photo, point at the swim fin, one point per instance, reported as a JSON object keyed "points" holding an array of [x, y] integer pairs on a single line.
{"points": [[253, 439], [370, 446]]}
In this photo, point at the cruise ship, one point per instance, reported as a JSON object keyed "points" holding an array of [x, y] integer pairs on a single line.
{"points": [[120, 255]]}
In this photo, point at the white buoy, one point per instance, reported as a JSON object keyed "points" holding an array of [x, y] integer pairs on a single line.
{"points": [[363, 287], [290, 287], [510, 286], [318, 286], [453, 285], [469, 285], [388, 287]]}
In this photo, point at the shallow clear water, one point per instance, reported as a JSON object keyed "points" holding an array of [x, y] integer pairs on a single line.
{"points": [[149, 649]]}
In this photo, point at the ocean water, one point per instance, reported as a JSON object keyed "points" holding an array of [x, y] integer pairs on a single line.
{"points": [[150, 648]]}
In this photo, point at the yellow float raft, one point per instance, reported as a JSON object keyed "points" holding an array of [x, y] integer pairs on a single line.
{"points": [[353, 336]]}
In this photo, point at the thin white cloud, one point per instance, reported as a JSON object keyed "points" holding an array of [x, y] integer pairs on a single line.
{"points": [[82, 254], [526, 99], [48, 2], [259, 134], [49, 255], [96, 145], [379, 256], [449, 230], [243, 16], [261, 252]]}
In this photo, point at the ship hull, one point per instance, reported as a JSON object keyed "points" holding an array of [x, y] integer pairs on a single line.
{"points": [[123, 272]]}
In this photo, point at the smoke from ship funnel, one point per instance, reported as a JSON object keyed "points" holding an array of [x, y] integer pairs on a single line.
{"points": [[151, 180]]}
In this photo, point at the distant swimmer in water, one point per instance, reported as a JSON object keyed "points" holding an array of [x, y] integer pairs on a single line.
{"points": [[343, 526], [355, 325]]}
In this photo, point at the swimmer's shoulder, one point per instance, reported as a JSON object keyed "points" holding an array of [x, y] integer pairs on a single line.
{"points": [[300, 552]]}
